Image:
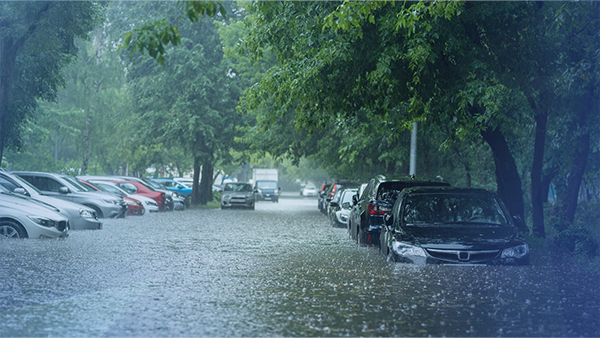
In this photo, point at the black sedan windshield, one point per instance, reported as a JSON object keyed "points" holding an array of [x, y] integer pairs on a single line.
{"points": [[452, 208]]}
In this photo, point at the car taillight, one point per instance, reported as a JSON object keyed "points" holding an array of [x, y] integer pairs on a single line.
{"points": [[375, 209], [332, 191], [323, 186]]}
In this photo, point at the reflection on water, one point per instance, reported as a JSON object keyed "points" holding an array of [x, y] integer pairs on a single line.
{"points": [[281, 270]]}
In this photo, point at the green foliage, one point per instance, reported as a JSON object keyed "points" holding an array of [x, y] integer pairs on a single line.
{"points": [[154, 37], [38, 41]]}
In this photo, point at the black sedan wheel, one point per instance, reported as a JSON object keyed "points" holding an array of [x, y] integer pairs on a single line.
{"points": [[10, 229]]}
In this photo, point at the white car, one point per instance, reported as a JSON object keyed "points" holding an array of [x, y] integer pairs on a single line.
{"points": [[149, 204], [309, 191], [24, 217]]}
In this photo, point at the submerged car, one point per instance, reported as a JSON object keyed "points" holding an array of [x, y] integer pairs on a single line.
{"points": [[340, 207], [24, 217], [376, 200], [80, 216], [68, 188], [442, 225], [309, 191], [267, 190], [238, 195]]}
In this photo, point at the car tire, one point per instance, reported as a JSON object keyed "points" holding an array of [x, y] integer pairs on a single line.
{"points": [[11, 229], [251, 207]]}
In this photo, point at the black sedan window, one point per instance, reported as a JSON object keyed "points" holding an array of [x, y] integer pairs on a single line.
{"points": [[452, 208]]}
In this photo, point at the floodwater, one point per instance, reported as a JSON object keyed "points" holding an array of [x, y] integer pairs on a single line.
{"points": [[280, 270]]}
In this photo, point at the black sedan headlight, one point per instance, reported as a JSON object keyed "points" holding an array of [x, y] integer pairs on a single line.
{"points": [[518, 251]]}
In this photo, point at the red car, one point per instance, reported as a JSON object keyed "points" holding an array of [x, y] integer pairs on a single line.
{"points": [[134, 207], [140, 189]]}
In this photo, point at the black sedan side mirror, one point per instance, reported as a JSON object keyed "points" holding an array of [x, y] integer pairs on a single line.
{"points": [[333, 204], [354, 199]]}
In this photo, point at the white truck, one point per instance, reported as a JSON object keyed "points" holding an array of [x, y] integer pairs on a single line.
{"points": [[266, 182]]}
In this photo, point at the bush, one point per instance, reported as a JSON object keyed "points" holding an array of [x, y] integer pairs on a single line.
{"points": [[577, 240]]}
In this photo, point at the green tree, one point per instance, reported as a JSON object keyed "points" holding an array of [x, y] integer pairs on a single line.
{"points": [[37, 41], [197, 113]]}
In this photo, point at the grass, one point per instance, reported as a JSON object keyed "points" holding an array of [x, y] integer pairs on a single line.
{"points": [[209, 205]]}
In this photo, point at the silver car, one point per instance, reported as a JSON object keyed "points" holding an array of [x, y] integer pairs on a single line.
{"points": [[23, 217], [68, 188], [238, 195], [80, 216]]}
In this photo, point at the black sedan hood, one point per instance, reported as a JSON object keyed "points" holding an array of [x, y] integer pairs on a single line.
{"points": [[462, 236]]}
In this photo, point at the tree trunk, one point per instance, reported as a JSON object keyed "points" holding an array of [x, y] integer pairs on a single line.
{"points": [[206, 182], [195, 185], [537, 188], [507, 176], [8, 55], [571, 195]]}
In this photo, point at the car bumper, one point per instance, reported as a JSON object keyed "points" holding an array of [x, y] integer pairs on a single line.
{"points": [[86, 224], [113, 211], [269, 197], [237, 203], [35, 230], [407, 253]]}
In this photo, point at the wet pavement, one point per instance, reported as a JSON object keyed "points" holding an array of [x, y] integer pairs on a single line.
{"points": [[280, 270]]}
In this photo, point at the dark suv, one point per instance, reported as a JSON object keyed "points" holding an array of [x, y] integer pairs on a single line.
{"points": [[366, 216]]}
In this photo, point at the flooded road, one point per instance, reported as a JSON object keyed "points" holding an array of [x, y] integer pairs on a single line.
{"points": [[280, 270]]}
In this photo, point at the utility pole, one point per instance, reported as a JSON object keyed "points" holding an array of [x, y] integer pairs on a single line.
{"points": [[413, 150]]}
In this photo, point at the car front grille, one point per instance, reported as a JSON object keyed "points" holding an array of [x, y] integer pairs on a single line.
{"points": [[463, 256]]}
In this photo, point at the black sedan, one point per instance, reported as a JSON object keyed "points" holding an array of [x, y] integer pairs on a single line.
{"points": [[444, 225]]}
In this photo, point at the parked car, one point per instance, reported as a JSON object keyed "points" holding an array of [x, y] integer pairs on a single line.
{"points": [[23, 217], [168, 199], [134, 187], [321, 196], [445, 225], [186, 181], [149, 204], [80, 216], [173, 185], [335, 187], [366, 216], [68, 188], [238, 195], [309, 190], [340, 207], [135, 206], [267, 190]]}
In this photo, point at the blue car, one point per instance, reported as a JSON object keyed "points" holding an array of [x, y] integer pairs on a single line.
{"points": [[174, 185]]}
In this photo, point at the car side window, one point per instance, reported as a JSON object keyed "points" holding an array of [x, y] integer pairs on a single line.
{"points": [[130, 188], [48, 184], [10, 186]]}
